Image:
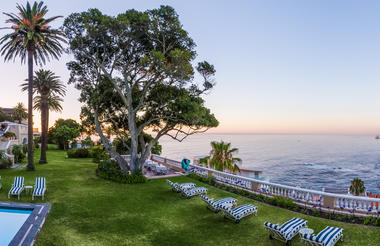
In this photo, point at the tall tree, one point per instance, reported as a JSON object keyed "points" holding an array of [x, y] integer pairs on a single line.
{"points": [[52, 103], [222, 158], [64, 131], [31, 39], [48, 89], [135, 71], [19, 113]]}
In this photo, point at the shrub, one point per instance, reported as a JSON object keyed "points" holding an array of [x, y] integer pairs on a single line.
{"points": [[98, 153], [18, 152], [10, 135], [87, 142], [283, 202], [5, 162], [36, 142], [78, 153], [111, 170], [377, 222], [367, 220], [25, 148]]}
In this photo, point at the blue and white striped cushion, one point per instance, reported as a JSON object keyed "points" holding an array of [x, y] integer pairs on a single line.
{"points": [[206, 199], [15, 190], [223, 201], [40, 182], [217, 204], [327, 237], [186, 185], [176, 187], [290, 228], [18, 182], [272, 226], [241, 211], [38, 191], [195, 191]]}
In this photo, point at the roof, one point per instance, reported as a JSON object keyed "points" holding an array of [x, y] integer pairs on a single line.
{"points": [[12, 123], [7, 110]]}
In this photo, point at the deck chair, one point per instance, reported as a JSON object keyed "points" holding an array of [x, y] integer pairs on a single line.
{"points": [[327, 237], [39, 188], [17, 188], [190, 192], [286, 231], [214, 205], [238, 213], [178, 187], [173, 185]]}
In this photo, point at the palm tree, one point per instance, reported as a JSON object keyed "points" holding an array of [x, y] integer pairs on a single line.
{"points": [[221, 157], [49, 89], [51, 103], [357, 186], [19, 112], [33, 40]]}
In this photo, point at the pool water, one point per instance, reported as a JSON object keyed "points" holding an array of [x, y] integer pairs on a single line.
{"points": [[11, 221]]}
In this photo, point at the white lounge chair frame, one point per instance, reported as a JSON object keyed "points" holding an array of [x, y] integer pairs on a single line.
{"points": [[40, 184], [17, 183]]}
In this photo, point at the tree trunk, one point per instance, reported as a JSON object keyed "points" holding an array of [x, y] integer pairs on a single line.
{"points": [[43, 129], [47, 128], [30, 166], [122, 163], [135, 160]]}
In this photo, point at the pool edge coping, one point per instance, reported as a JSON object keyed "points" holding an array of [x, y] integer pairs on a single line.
{"points": [[27, 234]]}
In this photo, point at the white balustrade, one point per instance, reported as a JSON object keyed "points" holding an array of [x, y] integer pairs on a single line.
{"points": [[315, 198]]}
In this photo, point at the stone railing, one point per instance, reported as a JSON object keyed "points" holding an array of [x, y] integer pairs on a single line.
{"points": [[313, 198]]}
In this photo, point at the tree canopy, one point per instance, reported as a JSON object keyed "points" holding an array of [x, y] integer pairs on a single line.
{"points": [[19, 113], [136, 72], [64, 131]]}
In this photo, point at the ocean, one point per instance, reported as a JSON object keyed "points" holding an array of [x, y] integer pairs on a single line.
{"points": [[311, 161]]}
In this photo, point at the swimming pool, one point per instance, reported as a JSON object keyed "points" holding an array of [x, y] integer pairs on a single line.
{"points": [[20, 223], [11, 221]]}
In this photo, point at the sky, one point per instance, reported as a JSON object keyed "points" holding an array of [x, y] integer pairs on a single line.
{"points": [[284, 66]]}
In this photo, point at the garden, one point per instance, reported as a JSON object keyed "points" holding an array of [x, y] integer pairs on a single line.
{"points": [[90, 210]]}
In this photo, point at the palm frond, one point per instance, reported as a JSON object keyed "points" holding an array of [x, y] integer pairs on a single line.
{"points": [[31, 31]]}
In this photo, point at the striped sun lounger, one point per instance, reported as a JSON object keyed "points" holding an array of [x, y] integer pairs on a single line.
{"points": [[286, 231], [39, 188], [328, 237], [17, 188], [238, 213], [179, 187], [173, 185], [215, 205], [188, 193]]}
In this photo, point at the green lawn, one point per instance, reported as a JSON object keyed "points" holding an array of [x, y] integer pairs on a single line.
{"points": [[87, 210]]}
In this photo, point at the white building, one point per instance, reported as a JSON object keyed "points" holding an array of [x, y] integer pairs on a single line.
{"points": [[20, 135]]}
